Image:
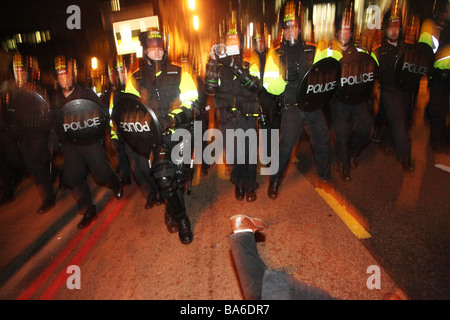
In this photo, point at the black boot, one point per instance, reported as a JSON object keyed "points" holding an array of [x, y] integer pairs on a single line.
{"points": [[239, 193], [272, 191], [171, 224], [46, 206], [89, 216], [184, 231]]}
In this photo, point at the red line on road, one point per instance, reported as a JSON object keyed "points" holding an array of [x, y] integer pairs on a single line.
{"points": [[53, 289], [37, 283]]}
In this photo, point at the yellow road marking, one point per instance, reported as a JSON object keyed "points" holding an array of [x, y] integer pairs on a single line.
{"points": [[355, 227]]}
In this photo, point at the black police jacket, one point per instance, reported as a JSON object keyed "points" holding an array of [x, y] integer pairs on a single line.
{"points": [[296, 61], [159, 89], [231, 94], [387, 55]]}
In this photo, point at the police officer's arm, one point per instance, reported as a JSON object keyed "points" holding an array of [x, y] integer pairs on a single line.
{"points": [[248, 80], [426, 35], [189, 101], [429, 36]]}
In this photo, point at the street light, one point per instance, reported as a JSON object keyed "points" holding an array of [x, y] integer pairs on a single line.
{"points": [[191, 4], [196, 22], [94, 63]]}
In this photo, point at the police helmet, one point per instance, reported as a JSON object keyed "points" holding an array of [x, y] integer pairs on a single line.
{"points": [[21, 69], [152, 38]]}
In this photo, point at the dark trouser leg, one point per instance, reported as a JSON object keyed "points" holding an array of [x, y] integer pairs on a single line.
{"points": [[96, 160], [437, 112], [397, 105], [142, 174], [11, 166], [243, 175], [290, 131], [124, 164], [36, 157], [249, 265], [342, 130], [320, 139], [362, 126], [74, 177]]}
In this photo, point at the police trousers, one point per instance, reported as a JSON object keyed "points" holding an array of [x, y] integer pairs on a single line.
{"points": [[79, 161], [245, 152], [438, 108], [397, 106], [11, 165], [352, 125], [34, 147], [142, 173], [292, 121]]}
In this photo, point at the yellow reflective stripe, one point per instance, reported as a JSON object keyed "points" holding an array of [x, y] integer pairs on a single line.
{"points": [[272, 80], [188, 89], [362, 50], [175, 111], [190, 95], [130, 87], [114, 135], [443, 63], [254, 70], [325, 53], [276, 87], [158, 73], [374, 56]]}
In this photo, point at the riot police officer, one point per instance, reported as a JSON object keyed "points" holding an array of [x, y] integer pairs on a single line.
{"points": [[270, 112], [350, 108], [127, 155], [437, 35], [117, 72], [167, 90], [396, 101], [238, 108], [282, 77], [80, 119], [32, 125]]}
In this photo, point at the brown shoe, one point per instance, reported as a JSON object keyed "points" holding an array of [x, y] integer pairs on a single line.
{"points": [[242, 222]]}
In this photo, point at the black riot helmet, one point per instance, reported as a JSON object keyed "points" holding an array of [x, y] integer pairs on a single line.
{"points": [[344, 23], [289, 19], [35, 70], [152, 39], [65, 66], [391, 18], [118, 71], [22, 69]]}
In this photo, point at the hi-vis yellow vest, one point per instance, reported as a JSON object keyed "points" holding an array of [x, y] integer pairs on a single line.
{"points": [[430, 34]]}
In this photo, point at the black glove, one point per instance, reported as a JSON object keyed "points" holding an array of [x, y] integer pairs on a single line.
{"points": [[249, 82]]}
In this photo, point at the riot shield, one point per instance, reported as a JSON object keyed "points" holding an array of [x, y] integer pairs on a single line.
{"points": [[413, 63], [319, 85], [28, 108], [358, 75], [81, 122], [137, 124]]}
